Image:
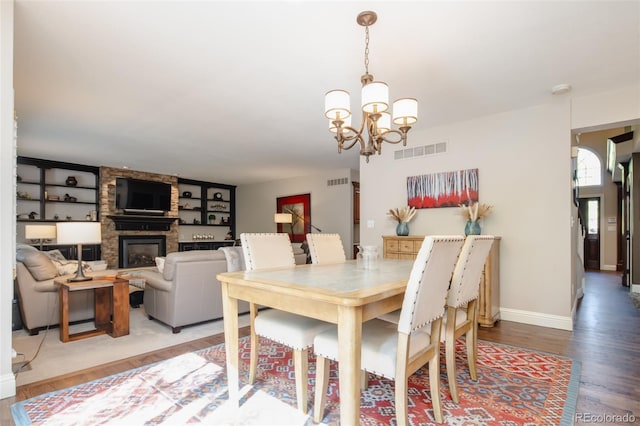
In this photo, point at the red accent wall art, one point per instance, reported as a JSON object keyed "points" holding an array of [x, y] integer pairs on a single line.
{"points": [[299, 206], [445, 189]]}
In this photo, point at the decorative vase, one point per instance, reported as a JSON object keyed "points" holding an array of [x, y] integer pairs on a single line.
{"points": [[71, 181], [402, 229], [472, 228]]}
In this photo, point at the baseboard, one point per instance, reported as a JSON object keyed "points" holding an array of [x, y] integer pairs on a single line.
{"points": [[7, 385], [536, 318], [609, 268], [635, 288]]}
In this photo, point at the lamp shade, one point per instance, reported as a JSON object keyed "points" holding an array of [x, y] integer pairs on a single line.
{"points": [[336, 105], [78, 233], [283, 218], [405, 112], [40, 232], [375, 97]]}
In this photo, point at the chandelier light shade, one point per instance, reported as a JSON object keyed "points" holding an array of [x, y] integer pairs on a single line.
{"points": [[376, 121], [336, 105], [405, 112], [375, 97]]}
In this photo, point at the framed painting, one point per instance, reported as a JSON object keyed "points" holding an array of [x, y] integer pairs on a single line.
{"points": [[299, 206], [445, 189]]}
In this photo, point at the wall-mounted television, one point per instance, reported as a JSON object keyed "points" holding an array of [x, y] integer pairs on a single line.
{"points": [[136, 196]]}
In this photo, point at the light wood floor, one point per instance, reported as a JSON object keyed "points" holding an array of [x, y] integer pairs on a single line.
{"points": [[606, 340]]}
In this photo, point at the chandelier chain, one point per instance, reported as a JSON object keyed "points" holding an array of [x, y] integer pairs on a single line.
{"points": [[366, 50]]}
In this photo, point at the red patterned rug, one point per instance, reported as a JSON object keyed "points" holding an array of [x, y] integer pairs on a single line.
{"points": [[515, 387]]}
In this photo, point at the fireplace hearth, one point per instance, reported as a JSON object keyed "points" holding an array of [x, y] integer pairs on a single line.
{"points": [[137, 251]]}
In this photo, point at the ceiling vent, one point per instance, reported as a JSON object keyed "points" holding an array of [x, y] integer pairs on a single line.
{"points": [[420, 151], [340, 181]]}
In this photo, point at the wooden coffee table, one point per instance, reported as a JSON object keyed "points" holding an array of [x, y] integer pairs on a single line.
{"points": [[111, 306]]}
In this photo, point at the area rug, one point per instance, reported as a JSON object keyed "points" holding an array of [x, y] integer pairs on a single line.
{"points": [[635, 298], [515, 387]]}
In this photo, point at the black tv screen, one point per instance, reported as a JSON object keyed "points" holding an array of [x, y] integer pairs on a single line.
{"points": [[142, 196]]}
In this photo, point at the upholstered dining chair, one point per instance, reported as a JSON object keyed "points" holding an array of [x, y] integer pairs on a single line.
{"points": [[268, 250], [461, 317], [326, 248], [396, 351]]}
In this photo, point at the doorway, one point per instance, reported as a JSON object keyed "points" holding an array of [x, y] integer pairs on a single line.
{"points": [[590, 212]]}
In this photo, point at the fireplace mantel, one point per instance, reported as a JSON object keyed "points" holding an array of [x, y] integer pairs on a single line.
{"points": [[142, 223]]}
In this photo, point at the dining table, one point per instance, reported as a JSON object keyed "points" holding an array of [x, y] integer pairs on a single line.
{"points": [[345, 294]]}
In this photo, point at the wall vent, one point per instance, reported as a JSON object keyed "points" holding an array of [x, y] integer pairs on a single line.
{"points": [[420, 151], [340, 181]]}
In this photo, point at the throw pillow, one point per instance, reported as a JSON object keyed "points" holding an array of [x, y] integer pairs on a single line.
{"points": [[160, 264], [69, 267], [38, 264], [55, 255]]}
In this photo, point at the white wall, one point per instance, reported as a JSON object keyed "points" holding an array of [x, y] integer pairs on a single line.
{"points": [[7, 189], [331, 206], [523, 159]]}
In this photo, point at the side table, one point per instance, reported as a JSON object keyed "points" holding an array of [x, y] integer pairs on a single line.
{"points": [[111, 307]]}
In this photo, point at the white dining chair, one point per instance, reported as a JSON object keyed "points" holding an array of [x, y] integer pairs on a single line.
{"points": [[270, 250], [461, 317], [396, 351], [326, 248]]}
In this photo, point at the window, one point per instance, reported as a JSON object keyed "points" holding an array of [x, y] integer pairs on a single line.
{"points": [[589, 168]]}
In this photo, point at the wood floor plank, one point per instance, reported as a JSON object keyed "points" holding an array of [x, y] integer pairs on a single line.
{"points": [[606, 340]]}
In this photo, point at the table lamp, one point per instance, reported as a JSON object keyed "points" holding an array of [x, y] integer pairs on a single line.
{"points": [[79, 233], [283, 218], [40, 234]]}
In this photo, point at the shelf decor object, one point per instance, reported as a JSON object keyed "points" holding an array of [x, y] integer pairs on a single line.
{"points": [[79, 233], [375, 103]]}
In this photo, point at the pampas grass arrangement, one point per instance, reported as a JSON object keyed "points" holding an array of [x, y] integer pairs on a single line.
{"points": [[475, 211], [402, 214]]}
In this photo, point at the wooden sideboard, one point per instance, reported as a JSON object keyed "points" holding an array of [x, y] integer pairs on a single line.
{"points": [[396, 247]]}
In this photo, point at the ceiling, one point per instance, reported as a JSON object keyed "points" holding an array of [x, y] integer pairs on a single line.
{"points": [[233, 91]]}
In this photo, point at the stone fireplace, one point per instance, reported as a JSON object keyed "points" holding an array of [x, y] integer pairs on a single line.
{"points": [[135, 228], [135, 251]]}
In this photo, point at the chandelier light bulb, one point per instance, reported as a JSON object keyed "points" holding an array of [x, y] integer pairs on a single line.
{"points": [[334, 129]]}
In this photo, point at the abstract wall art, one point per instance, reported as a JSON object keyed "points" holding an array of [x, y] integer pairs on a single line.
{"points": [[444, 189]]}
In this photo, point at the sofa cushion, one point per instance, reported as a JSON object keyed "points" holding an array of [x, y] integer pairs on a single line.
{"points": [[39, 264]]}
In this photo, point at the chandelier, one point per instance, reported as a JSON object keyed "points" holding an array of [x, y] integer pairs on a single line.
{"points": [[375, 103]]}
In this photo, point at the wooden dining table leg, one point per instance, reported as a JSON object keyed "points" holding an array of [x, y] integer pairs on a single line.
{"points": [[349, 343], [230, 313]]}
